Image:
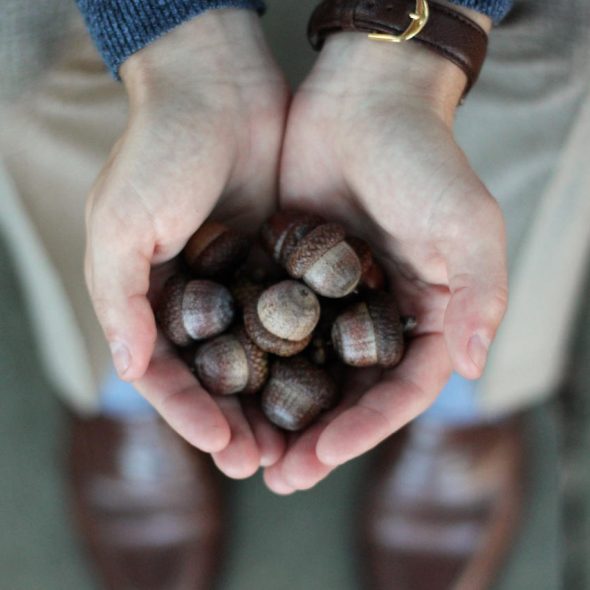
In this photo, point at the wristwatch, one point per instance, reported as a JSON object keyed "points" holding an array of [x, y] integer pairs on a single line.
{"points": [[437, 26]]}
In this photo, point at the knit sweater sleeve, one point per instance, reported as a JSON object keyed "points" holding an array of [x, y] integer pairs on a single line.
{"points": [[495, 9], [120, 28]]}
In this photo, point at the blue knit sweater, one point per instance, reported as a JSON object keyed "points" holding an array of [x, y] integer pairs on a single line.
{"points": [[122, 27]]}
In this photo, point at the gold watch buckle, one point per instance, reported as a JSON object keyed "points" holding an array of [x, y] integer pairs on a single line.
{"points": [[419, 19]]}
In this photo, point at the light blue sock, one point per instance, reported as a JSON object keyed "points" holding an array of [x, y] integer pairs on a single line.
{"points": [[457, 404], [120, 399]]}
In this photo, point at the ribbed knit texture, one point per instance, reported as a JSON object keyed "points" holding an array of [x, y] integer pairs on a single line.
{"points": [[495, 9], [123, 27]]}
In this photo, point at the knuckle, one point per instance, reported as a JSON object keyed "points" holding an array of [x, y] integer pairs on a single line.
{"points": [[497, 304]]}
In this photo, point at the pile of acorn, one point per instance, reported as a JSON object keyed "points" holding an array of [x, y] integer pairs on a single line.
{"points": [[282, 324]]}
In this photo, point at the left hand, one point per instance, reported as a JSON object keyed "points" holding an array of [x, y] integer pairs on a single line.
{"points": [[369, 142], [204, 137]]}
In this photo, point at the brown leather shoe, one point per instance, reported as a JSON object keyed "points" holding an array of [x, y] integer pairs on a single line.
{"points": [[443, 507], [147, 504]]}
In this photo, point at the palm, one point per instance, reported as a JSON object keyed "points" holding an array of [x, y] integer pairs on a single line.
{"points": [[393, 175]]}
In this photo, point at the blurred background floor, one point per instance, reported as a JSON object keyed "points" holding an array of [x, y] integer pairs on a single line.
{"points": [[301, 542]]}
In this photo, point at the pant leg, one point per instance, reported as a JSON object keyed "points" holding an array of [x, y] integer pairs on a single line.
{"points": [[55, 136], [526, 128]]}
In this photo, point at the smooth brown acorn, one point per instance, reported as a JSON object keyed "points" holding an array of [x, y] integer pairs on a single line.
{"points": [[314, 251], [231, 364], [370, 332], [215, 250], [281, 319], [372, 275], [296, 393], [194, 310]]}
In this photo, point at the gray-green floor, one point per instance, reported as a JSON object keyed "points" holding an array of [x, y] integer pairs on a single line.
{"points": [[302, 542]]}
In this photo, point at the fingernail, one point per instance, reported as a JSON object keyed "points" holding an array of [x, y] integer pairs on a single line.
{"points": [[121, 357], [267, 460], [478, 351]]}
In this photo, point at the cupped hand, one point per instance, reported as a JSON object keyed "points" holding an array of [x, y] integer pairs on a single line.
{"points": [[207, 115], [369, 142]]}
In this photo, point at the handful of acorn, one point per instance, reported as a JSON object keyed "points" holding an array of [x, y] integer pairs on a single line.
{"points": [[282, 327]]}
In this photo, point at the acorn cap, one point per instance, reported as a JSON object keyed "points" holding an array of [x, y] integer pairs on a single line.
{"points": [[296, 393], [289, 310], [257, 362], [388, 328], [312, 246]]}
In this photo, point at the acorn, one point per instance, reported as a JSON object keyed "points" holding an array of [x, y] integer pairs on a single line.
{"points": [[245, 289], [296, 393], [281, 319], [314, 251], [231, 364], [370, 333], [372, 275], [214, 250], [194, 310]]}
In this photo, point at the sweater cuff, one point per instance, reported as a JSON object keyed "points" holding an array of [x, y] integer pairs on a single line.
{"points": [[120, 28], [495, 9]]}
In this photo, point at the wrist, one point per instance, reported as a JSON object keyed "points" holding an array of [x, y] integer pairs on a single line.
{"points": [[431, 67], [353, 65], [225, 48]]}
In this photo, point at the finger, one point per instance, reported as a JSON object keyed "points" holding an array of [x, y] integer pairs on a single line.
{"points": [[240, 458], [275, 483], [270, 440], [118, 261], [478, 283], [301, 469], [177, 396], [401, 395]]}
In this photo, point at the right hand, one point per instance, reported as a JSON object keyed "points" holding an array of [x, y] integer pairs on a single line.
{"points": [[207, 113], [369, 142]]}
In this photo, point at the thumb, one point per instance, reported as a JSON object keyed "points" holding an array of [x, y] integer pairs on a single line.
{"points": [[478, 281], [118, 263], [122, 245]]}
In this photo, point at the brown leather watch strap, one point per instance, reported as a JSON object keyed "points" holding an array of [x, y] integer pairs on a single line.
{"points": [[447, 31]]}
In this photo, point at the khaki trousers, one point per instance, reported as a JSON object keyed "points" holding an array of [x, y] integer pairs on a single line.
{"points": [[525, 127]]}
